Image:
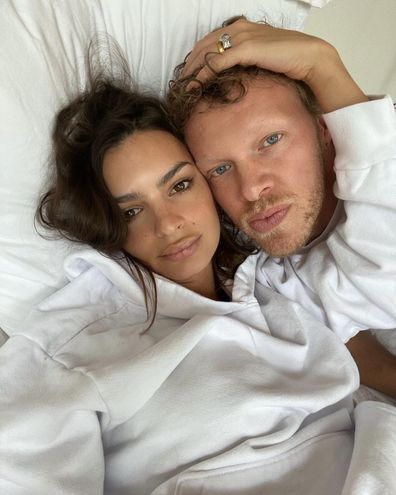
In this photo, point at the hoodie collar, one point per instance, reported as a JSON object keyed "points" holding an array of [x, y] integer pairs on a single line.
{"points": [[173, 300]]}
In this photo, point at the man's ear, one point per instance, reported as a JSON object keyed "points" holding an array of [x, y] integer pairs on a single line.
{"points": [[327, 147], [324, 132]]}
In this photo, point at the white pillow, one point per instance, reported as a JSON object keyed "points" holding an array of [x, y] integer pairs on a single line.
{"points": [[42, 49]]}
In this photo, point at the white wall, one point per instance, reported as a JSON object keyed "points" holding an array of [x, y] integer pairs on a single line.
{"points": [[364, 33]]}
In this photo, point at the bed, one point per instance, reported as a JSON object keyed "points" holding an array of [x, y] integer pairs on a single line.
{"points": [[43, 44], [42, 50]]}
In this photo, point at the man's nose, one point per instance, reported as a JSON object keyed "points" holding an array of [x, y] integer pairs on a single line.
{"points": [[255, 180]]}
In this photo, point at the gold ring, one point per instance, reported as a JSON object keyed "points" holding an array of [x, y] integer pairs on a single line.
{"points": [[220, 47]]}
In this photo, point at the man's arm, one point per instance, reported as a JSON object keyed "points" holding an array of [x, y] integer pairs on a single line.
{"points": [[377, 366], [316, 62], [293, 53]]}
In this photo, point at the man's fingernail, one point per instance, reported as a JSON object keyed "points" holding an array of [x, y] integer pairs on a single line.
{"points": [[192, 85]]}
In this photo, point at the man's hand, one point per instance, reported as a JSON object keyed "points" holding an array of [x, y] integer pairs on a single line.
{"points": [[293, 53]]}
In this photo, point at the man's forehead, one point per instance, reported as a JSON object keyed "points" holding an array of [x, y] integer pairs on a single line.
{"points": [[261, 94]]}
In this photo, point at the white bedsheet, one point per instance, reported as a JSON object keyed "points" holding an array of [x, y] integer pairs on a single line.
{"points": [[42, 50]]}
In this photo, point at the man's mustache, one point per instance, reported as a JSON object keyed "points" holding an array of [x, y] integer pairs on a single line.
{"points": [[262, 204]]}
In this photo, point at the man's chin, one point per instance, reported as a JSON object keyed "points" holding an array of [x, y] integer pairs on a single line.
{"points": [[280, 253], [280, 246], [283, 240]]}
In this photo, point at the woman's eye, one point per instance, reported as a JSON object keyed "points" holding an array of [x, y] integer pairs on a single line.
{"points": [[220, 170], [181, 186], [131, 213], [272, 139]]}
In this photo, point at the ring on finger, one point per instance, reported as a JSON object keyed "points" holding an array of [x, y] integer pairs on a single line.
{"points": [[224, 43], [220, 47]]}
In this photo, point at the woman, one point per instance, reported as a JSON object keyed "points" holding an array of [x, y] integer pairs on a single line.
{"points": [[130, 140], [148, 372]]}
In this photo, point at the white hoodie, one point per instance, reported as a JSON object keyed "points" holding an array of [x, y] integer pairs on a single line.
{"points": [[84, 385], [347, 276], [216, 397]]}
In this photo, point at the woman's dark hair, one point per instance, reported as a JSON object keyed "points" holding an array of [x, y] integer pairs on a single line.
{"points": [[78, 204]]}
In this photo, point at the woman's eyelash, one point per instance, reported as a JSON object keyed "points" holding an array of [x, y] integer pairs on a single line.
{"points": [[180, 187], [130, 213], [185, 185]]}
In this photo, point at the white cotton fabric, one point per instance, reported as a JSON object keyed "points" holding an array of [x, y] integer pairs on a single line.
{"points": [[316, 3], [347, 276], [215, 398], [92, 404], [372, 470], [42, 54]]}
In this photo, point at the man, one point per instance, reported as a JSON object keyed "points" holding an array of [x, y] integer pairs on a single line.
{"points": [[261, 141]]}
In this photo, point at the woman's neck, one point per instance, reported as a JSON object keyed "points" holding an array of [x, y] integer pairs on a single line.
{"points": [[204, 284]]}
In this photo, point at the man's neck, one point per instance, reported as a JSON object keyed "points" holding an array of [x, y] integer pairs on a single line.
{"points": [[330, 200]]}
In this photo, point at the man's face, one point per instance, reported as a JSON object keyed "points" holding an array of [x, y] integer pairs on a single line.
{"points": [[264, 159]]}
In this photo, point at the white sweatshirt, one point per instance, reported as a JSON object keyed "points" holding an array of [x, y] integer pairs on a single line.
{"points": [[347, 276], [216, 397], [91, 404]]}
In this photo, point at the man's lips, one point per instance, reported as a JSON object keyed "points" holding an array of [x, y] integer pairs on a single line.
{"points": [[181, 249], [268, 219]]}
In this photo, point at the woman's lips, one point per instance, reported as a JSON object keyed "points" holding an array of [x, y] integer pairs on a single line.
{"points": [[268, 219], [181, 250]]}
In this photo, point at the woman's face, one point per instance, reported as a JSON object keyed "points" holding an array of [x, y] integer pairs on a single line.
{"points": [[173, 223]]}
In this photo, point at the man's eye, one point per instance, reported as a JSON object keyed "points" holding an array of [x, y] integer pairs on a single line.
{"points": [[220, 170], [272, 139], [181, 186], [131, 213]]}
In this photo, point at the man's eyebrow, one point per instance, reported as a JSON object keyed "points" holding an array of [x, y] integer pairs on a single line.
{"points": [[135, 196], [171, 173]]}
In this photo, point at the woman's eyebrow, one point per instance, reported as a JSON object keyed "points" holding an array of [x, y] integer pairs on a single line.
{"points": [[171, 173], [132, 196], [135, 196]]}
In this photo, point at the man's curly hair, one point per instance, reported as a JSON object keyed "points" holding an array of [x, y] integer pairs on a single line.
{"points": [[224, 88], [227, 86]]}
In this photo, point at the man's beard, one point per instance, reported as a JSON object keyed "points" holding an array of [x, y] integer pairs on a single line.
{"points": [[280, 241]]}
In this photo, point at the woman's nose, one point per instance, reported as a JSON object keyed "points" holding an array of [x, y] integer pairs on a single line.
{"points": [[168, 221]]}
